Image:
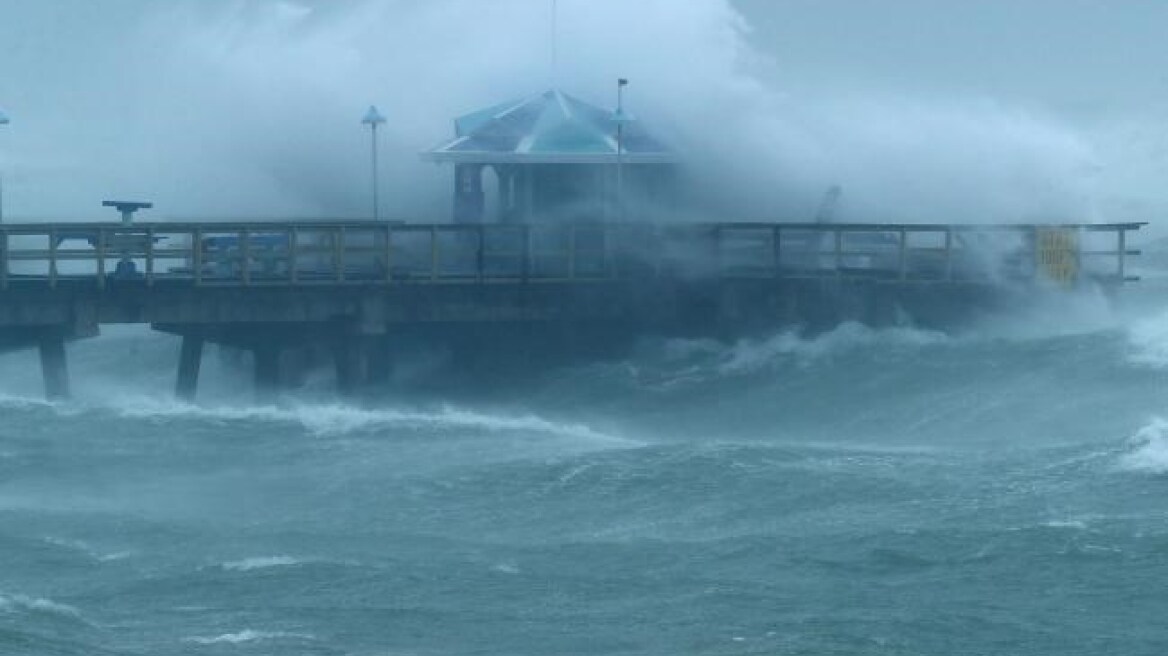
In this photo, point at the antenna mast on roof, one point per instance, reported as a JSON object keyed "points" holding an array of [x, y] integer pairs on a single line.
{"points": [[555, 42]]}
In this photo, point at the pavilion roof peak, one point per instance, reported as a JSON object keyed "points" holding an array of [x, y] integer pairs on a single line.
{"points": [[552, 127]]}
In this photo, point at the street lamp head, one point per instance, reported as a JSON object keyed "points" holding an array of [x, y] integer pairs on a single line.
{"points": [[623, 82], [3, 121], [373, 117]]}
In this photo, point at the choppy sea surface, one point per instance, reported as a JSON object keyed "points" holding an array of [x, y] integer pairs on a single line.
{"points": [[1000, 490]]}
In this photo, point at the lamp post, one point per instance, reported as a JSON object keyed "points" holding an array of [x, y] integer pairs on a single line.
{"points": [[373, 118], [3, 121], [621, 119]]}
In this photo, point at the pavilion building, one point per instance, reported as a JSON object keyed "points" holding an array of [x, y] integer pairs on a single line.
{"points": [[554, 157]]}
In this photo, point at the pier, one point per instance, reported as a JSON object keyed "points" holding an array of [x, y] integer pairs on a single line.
{"points": [[268, 287]]}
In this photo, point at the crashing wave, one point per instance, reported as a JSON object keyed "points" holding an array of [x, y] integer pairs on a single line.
{"points": [[1148, 342], [1149, 449], [337, 419]]}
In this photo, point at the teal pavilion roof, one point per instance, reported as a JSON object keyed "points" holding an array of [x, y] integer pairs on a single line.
{"points": [[551, 128]]}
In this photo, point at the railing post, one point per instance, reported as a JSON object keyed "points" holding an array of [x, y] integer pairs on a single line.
{"points": [[197, 255], [1035, 254], [903, 256], [245, 256], [293, 255], [150, 256], [716, 248], [388, 254], [777, 249], [1078, 255], [100, 246], [839, 252], [433, 253], [4, 259], [339, 237], [335, 256], [948, 253], [1122, 261], [52, 258]]}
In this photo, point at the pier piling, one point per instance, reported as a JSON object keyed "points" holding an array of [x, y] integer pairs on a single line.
{"points": [[352, 362], [53, 365], [380, 365], [190, 360], [267, 372]]}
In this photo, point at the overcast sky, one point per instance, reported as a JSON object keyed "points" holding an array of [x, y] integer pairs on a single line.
{"points": [[922, 109], [1082, 59]]}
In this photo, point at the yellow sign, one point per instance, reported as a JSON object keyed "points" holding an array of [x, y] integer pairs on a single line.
{"points": [[1058, 254]]}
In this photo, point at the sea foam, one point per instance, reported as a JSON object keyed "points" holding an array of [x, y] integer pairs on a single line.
{"points": [[338, 419], [248, 564], [248, 635], [327, 419], [1149, 449], [86, 549], [23, 603]]}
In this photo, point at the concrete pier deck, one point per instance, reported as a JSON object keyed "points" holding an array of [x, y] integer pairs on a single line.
{"points": [[268, 286]]}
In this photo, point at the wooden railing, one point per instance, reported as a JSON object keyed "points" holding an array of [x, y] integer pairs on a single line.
{"points": [[364, 253]]}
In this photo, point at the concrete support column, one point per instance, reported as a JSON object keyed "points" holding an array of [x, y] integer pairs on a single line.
{"points": [[53, 367], [267, 371], [380, 364], [882, 304], [189, 362], [352, 360], [789, 305]]}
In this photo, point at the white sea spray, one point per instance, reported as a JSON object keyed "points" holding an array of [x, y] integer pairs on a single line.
{"points": [[1148, 448], [339, 419]]}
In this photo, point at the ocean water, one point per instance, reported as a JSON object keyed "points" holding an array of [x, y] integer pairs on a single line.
{"points": [[1000, 490]]}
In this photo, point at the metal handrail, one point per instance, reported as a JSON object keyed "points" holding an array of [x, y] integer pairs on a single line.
{"points": [[366, 253]]}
